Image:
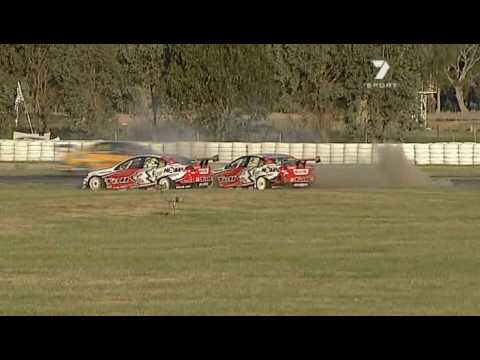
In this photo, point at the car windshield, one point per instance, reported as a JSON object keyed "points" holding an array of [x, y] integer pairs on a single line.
{"points": [[124, 165], [137, 163], [242, 162], [288, 161]]}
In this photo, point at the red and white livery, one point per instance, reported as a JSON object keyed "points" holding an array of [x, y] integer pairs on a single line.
{"points": [[162, 171], [266, 171]]}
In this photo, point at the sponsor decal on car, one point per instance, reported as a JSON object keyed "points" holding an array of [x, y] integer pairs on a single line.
{"points": [[172, 169], [121, 180], [227, 178], [301, 179], [300, 171]]}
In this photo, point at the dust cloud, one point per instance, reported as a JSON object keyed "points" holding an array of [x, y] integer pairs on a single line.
{"points": [[391, 170], [162, 133]]}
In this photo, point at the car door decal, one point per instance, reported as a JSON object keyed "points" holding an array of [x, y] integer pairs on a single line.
{"points": [[247, 176], [121, 179], [230, 177], [145, 177], [269, 171]]}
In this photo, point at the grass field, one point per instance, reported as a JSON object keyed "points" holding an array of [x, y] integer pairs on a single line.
{"points": [[239, 252], [451, 171]]}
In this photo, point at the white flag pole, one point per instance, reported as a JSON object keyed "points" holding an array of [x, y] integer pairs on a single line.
{"points": [[18, 100]]}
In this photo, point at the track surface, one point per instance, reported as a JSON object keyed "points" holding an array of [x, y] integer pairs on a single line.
{"points": [[76, 180], [67, 180]]}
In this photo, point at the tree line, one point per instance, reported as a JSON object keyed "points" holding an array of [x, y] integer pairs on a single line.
{"points": [[226, 88]]}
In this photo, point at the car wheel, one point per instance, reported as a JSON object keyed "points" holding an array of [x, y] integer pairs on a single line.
{"points": [[96, 183], [262, 183], [164, 184]]}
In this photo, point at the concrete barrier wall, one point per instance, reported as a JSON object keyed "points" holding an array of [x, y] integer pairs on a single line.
{"points": [[330, 153]]}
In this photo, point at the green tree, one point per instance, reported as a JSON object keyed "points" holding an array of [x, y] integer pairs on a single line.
{"points": [[459, 72], [149, 65], [222, 83]]}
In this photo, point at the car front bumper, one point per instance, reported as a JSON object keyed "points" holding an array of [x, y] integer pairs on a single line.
{"points": [[85, 183]]}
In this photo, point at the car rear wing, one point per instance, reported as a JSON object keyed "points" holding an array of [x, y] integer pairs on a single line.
{"points": [[303, 162], [316, 160], [204, 161]]}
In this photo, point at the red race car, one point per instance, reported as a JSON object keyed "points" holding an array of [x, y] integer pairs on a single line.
{"points": [[265, 171], [162, 171]]}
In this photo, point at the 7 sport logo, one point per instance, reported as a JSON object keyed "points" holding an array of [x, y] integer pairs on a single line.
{"points": [[383, 66]]}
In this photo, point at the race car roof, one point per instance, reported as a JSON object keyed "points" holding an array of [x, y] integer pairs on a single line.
{"points": [[276, 156]]}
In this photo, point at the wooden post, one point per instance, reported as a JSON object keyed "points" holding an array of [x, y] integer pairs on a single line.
{"points": [[28, 118], [473, 155], [415, 154], [438, 100]]}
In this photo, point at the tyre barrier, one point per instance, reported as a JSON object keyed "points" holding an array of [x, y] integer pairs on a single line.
{"points": [[239, 149], [225, 151], [337, 154], [329, 153], [296, 150], [323, 150]]}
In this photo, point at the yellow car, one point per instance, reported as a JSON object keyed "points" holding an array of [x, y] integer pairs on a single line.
{"points": [[102, 155]]}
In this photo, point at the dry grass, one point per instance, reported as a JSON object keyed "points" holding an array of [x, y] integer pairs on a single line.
{"points": [[452, 171], [311, 251]]}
